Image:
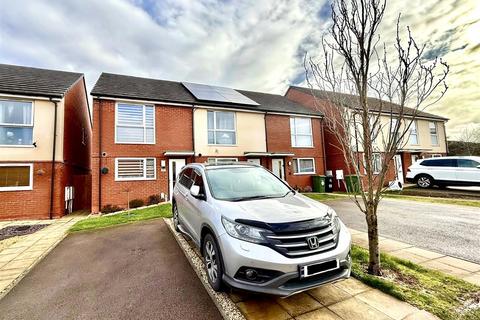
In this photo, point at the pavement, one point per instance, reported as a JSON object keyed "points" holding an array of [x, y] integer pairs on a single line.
{"points": [[19, 255], [343, 300], [446, 229], [135, 271]]}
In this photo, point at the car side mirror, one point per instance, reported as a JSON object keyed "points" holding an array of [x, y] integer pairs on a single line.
{"points": [[195, 192]]}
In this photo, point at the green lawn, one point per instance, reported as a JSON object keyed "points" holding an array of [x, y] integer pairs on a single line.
{"points": [[324, 196], [160, 211], [445, 296], [470, 203]]}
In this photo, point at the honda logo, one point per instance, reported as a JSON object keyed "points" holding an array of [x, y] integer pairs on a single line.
{"points": [[312, 243]]}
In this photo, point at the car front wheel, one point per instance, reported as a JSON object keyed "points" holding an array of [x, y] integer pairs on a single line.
{"points": [[175, 217], [213, 265], [425, 181]]}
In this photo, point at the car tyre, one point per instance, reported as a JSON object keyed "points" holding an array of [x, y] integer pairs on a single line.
{"points": [[424, 181], [213, 262], [175, 219]]}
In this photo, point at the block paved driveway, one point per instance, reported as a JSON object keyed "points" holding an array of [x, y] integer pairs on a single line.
{"points": [[448, 229], [135, 271]]}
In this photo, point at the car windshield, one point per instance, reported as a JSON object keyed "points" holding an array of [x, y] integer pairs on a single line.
{"points": [[244, 183]]}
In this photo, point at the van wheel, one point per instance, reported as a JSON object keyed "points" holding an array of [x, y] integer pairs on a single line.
{"points": [[213, 263], [424, 181], [175, 217]]}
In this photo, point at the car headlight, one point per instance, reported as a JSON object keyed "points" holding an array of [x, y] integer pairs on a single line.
{"points": [[243, 232], [332, 216]]}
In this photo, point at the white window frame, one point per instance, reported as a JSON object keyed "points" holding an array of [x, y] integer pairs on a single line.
{"points": [[215, 160], [413, 132], [214, 130], [23, 188], [374, 155], [433, 134], [31, 125], [144, 125], [294, 129], [297, 160], [144, 178]]}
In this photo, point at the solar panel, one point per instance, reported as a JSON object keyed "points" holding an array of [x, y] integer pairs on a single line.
{"points": [[217, 94]]}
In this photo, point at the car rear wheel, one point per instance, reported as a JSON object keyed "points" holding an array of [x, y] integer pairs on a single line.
{"points": [[213, 265], [424, 181]]}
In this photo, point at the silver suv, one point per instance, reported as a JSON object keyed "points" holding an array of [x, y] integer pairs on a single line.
{"points": [[256, 233]]}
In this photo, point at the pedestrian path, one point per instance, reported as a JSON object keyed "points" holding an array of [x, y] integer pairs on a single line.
{"points": [[19, 258]]}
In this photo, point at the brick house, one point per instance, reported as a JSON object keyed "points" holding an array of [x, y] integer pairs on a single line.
{"points": [[45, 132], [427, 134], [146, 130]]}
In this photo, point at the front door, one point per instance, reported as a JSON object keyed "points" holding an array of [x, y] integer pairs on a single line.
{"points": [[398, 168], [174, 167], [277, 168]]}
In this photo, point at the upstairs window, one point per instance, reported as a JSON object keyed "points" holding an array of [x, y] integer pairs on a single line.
{"points": [[135, 123], [413, 133], [135, 169], [301, 132], [16, 123], [433, 133], [221, 128]]}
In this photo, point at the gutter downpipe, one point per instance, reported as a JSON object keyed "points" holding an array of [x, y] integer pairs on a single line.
{"points": [[100, 157], [323, 144], [52, 181]]}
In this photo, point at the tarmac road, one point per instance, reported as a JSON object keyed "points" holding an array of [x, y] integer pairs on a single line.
{"points": [[448, 229], [135, 271]]}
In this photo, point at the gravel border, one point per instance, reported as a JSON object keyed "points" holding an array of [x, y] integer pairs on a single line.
{"points": [[225, 305]]}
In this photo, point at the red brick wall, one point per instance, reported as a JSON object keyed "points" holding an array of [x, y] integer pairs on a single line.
{"points": [[35, 204], [173, 131], [76, 154], [279, 140]]}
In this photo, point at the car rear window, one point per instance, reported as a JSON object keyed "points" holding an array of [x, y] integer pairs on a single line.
{"points": [[439, 163], [467, 163]]}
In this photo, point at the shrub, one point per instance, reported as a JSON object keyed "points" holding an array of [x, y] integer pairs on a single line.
{"points": [[135, 203], [110, 208], [154, 199], [307, 189]]}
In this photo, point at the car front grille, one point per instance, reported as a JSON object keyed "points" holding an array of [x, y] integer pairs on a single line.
{"points": [[295, 243]]}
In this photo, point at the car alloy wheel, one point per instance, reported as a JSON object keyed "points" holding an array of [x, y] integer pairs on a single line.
{"points": [[424, 182], [211, 261], [175, 217]]}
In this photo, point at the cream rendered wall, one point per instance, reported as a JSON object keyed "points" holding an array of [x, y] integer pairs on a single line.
{"points": [[43, 115], [250, 135]]}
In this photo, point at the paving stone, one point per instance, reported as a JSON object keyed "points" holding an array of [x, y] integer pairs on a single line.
{"points": [[354, 308], [238, 296], [437, 265], [298, 304], [352, 286], [459, 263], [424, 253], [14, 264], [319, 314], [6, 274], [262, 309], [407, 255], [7, 257], [473, 278], [4, 284], [387, 304], [360, 239], [421, 315], [30, 254], [388, 245], [329, 294]]}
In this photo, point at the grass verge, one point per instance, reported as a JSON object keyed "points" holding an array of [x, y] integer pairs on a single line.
{"points": [[160, 211], [462, 202], [324, 196], [445, 296]]}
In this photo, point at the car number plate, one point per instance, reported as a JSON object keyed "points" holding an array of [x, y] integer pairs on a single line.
{"points": [[318, 268]]}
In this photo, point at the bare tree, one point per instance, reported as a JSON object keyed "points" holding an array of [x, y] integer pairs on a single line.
{"points": [[370, 131], [469, 136]]}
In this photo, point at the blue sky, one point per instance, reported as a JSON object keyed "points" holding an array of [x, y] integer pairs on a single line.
{"points": [[253, 45]]}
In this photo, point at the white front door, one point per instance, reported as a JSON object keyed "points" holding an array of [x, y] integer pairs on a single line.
{"points": [[277, 168], [174, 167], [398, 168], [254, 160]]}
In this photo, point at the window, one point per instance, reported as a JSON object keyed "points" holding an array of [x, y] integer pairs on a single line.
{"points": [[467, 163], [377, 162], [186, 178], [198, 181], [221, 128], [439, 163], [16, 123], [301, 132], [135, 123], [413, 133], [433, 133], [304, 166], [221, 160], [15, 177], [135, 169]]}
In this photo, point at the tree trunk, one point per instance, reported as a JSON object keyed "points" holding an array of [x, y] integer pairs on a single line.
{"points": [[373, 250]]}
